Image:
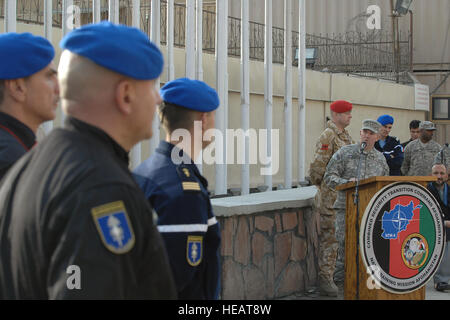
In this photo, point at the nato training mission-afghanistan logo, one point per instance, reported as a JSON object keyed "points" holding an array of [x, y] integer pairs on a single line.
{"points": [[402, 237]]}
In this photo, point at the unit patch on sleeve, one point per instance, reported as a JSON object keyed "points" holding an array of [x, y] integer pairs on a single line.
{"points": [[194, 250], [114, 227]]}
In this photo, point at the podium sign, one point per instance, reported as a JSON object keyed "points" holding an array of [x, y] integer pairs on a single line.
{"points": [[402, 237], [395, 241]]}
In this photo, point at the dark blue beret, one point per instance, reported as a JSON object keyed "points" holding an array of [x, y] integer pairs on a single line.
{"points": [[385, 119], [191, 94], [119, 48], [23, 54]]}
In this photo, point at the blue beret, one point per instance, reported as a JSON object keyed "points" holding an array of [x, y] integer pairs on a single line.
{"points": [[191, 94], [119, 48], [23, 54], [385, 119]]}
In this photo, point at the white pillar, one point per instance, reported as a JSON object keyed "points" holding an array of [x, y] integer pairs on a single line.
{"points": [[136, 14], [48, 19], [155, 36], [199, 59], [96, 11], [113, 11], [10, 15], [48, 125], [222, 90], [199, 41], [245, 95], [288, 94], [67, 17], [169, 37], [268, 86], [67, 24], [301, 91], [190, 39], [136, 18]]}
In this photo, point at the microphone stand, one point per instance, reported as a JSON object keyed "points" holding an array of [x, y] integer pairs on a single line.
{"points": [[356, 202]]}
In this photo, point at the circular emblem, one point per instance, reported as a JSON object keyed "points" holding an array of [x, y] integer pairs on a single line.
{"points": [[402, 237], [415, 251]]}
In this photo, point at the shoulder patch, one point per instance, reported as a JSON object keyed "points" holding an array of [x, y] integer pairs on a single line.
{"points": [[194, 250], [114, 227], [188, 180]]}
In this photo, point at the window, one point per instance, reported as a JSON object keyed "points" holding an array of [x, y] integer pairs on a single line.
{"points": [[441, 108]]}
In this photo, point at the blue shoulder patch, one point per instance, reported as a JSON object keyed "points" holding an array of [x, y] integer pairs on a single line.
{"points": [[114, 227], [194, 250]]}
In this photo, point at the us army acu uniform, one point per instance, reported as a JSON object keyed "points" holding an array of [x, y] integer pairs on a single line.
{"points": [[419, 156], [330, 141], [443, 156], [341, 168]]}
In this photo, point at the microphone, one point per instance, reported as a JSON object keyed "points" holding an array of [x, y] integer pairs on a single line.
{"points": [[363, 146]]}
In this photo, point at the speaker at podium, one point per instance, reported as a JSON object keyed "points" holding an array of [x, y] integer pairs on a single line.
{"points": [[394, 238]]}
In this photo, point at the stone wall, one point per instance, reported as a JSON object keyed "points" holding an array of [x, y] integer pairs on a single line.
{"points": [[268, 254]]}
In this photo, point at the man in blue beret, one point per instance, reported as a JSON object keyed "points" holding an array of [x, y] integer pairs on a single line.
{"points": [[29, 93], [390, 146], [179, 193], [74, 224]]}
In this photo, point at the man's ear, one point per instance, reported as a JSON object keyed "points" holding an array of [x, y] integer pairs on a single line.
{"points": [[125, 95], [204, 120], [17, 89]]}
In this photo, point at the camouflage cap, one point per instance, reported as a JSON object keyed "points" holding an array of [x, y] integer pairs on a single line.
{"points": [[371, 125], [427, 125]]}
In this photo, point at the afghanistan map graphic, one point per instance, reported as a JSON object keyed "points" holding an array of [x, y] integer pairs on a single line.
{"points": [[397, 220]]}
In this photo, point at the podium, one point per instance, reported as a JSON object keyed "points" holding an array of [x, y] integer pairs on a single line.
{"points": [[356, 276]]}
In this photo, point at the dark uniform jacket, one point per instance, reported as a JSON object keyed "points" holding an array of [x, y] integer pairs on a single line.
{"points": [[404, 144], [179, 195], [71, 203], [15, 140], [393, 152], [443, 203]]}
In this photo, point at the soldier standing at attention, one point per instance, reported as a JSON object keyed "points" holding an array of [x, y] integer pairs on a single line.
{"points": [[342, 169], [331, 140], [390, 146], [420, 153], [29, 93], [179, 193], [71, 203]]}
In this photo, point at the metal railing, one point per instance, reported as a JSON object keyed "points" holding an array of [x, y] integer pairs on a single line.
{"points": [[369, 54]]}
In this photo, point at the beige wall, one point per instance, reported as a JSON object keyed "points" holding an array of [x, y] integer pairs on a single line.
{"points": [[371, 98], [430, 21]]}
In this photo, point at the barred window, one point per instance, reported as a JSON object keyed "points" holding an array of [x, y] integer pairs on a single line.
{"points": [[441, 108]]}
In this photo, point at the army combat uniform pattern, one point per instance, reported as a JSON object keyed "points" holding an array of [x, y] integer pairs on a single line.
{"points": [[443, 156], [329, 142], [341, 168], [419, 158]]}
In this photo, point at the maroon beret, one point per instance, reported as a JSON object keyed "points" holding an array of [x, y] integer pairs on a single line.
{"points": [[341, 106]]}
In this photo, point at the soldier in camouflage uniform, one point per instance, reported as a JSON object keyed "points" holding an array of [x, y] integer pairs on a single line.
{"points": [[420, 153], [443, 156], [331, 140], [342, 168]]}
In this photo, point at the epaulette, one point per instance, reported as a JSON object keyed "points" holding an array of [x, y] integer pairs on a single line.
{"points": [[189, 181]]}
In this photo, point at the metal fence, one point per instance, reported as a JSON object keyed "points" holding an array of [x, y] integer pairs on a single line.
{"points": [[369, 54]]}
